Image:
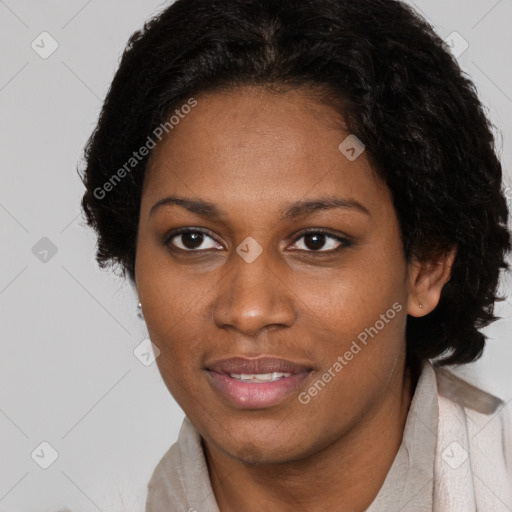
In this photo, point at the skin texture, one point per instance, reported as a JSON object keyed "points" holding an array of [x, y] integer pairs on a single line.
{"points": [[251, 153]]}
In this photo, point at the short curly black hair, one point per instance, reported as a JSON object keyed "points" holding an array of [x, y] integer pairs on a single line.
{"points": [[402, 93]]}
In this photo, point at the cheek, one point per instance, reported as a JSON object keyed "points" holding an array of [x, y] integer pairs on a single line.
{"points": [[360, 316], [172, 309], [175, 328], [168, 294], [352, 298]]}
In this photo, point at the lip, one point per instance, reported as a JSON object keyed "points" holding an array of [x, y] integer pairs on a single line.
{"points": [[264, 364], [256, 395]]}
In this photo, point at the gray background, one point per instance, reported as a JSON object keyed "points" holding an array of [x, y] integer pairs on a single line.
{"points": [[68, 330]]}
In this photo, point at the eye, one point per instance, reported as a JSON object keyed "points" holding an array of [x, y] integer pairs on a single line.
{"points": [[315, 240], [195, 240], [192, 240]]}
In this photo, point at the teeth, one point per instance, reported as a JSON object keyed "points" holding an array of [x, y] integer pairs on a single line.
{"points": [[259, 377]]}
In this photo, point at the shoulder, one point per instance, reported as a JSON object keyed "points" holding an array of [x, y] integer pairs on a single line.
{"points": [[180, 481], [484, 421], [163, 489], [473, 462], [482, 409], [466, 394]]}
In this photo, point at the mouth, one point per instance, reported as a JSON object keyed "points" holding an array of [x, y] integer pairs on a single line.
{"points": [[256, 383], [259, 377]]}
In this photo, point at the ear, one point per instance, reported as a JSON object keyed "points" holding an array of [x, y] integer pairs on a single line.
{"points": [[426, 281]]}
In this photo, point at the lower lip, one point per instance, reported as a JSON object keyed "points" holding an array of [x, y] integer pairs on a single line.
{"points": [[256, 395]]}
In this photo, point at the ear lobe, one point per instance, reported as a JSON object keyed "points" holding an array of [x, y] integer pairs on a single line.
{"points": [[426, 281]]}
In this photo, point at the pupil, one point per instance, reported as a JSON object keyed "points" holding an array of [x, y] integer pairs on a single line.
{"points": [[195, 237], [318, 243]]}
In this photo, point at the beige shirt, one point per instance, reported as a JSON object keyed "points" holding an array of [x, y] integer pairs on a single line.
{"points": [[180, 482]]}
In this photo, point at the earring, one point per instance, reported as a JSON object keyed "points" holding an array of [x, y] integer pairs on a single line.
{"points": [[421, 305], [139, 311]]}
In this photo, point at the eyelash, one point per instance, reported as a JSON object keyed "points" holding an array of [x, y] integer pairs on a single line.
{"points": [[345, 242]]}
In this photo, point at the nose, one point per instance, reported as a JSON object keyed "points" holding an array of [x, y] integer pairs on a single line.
{"points": [[254, 296]]}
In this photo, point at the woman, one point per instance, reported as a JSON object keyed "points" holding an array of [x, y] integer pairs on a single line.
{"points": [[307, 198]]}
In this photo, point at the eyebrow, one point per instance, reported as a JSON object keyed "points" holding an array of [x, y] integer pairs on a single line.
{"points": [[291, 211]]}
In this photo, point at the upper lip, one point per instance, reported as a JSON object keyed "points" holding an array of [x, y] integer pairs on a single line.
{"points": [[258, 365]]}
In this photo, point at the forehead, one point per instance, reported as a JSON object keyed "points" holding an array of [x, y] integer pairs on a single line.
{"points": [[251, 145]]}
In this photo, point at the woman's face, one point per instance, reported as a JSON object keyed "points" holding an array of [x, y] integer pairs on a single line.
{"points": [[254, 170]]}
